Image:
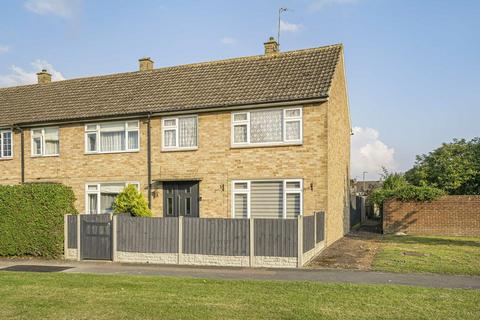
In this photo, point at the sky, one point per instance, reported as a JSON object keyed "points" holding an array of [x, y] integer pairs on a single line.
{"points": [[413, 67]]}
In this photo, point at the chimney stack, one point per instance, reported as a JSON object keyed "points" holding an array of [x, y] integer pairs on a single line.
{"points": [[44, 77], [146, 64], [271, 47]]}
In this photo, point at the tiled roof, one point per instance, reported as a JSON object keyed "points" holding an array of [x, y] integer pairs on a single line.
{"points": [[287, 76]]}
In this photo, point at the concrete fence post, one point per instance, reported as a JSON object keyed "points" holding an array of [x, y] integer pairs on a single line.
{"points": [[180, 240], [315, 232], [252, 242], [79, 235], [300, 241], [114, 238], [65, 232]]}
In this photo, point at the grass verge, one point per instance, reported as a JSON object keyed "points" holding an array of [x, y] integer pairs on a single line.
{"points": [[82, 296], [447, 255]]}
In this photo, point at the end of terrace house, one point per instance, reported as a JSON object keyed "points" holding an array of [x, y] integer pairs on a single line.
{"points": [[264, 136]]}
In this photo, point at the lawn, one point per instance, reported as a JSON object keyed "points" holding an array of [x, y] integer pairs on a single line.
{"points": [[82, 296], [447, 255]]}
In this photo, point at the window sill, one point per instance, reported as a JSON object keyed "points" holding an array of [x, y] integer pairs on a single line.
{"points": [[6, 158], [45, 156], [110, 152], [180, 149], [266, 145]]}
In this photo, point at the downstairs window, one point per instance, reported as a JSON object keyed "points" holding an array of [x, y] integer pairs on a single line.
{"points": [[267, 198]]}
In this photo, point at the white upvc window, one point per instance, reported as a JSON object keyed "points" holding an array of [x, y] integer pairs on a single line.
{"points": [[101, 196], [110, 137], [180, 133], [275, 198], [45, 142], [267, 127], [6, 144]]}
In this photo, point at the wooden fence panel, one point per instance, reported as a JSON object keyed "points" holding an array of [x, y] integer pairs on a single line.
{"points": [[276, 237], [147, 235], [308, 233], [320, 226], [72, 231], [227, 237]]}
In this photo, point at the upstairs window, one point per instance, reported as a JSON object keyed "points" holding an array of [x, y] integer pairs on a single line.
{"points": [[180, 133], [45, 142], [6, 144], [267, 127], [112, 137]]}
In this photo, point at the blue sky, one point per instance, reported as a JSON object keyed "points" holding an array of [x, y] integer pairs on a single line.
{"points": [[413, 66]]}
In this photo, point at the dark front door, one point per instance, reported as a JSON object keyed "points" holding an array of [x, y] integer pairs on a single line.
{"points": [[180, 198], [95, 236]]}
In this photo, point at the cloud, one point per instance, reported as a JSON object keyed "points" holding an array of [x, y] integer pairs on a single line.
{"points": [[62, 8], [369, 153], [228, 40], [4, 49], [289, 27], [19, 76], [318, 5]]}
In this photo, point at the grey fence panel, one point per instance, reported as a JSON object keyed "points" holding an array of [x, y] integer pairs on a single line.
{"points": [[227, 237], [141, 234], [308, 233], [320, 226], [276, 237], [95, 236], [72, 232]]}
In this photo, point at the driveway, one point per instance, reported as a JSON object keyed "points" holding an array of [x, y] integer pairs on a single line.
{"points": [[321, 275]]}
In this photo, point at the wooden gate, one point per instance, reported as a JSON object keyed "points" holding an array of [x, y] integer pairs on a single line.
{"points": [[96, 236]]}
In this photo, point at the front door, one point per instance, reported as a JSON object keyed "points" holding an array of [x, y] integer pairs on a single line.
{"points": [[180, 198]]}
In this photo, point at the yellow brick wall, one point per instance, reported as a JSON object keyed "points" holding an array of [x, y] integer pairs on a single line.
{"points": [[339, 129], [10, 168]]}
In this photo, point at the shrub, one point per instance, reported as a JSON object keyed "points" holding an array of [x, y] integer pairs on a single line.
{"points": [[31, 219], [406, 193], [131, 201]]}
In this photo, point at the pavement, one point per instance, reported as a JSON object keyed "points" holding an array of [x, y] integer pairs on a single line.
{"points": [[223, 273]]}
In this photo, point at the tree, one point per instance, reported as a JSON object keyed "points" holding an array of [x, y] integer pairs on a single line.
{"points": [[131, 201], [454, 167]]}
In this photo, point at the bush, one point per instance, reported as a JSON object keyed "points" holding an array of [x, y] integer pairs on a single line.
{"points": [[406, 193], [31, 219], [131, 201]]}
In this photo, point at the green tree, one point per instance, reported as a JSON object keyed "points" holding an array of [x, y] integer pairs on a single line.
{"points": [[454, 167], [131, 201]]}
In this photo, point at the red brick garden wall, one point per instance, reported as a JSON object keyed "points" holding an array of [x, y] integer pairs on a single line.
{"points": [[449, 215]]}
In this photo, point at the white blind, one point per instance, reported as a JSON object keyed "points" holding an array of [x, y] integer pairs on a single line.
{"points": [[266, 199], [293, 205], [240, 203]]}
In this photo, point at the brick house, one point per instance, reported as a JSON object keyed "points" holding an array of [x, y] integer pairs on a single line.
{"points": [[260, 136]]}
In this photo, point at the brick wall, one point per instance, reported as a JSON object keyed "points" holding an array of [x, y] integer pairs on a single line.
{"points": [[449, 215]]}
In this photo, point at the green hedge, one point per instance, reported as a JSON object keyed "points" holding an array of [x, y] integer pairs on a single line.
{"points": [[31, 219]]}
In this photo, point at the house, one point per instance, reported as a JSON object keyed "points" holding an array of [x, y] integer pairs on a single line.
{"points": [[260, 136]]}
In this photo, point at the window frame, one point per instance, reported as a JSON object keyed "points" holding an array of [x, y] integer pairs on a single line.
{"points": [[2, 132], [42, 143], [97, 131], [98, 192], [177, 135], [247, 122], [285, 191]]}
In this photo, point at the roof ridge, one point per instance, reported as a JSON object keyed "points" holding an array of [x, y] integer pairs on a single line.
{"points": [[187, 65]]}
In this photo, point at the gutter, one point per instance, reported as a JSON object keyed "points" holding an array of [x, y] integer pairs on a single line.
{"points": [[138, 115]]}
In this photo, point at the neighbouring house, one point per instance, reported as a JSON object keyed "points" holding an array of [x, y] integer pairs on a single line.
{"points": [[265, 136]]}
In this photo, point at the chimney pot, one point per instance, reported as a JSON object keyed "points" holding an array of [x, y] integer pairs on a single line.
{"points": [[271, 47], [44, 77], [145, 64]]}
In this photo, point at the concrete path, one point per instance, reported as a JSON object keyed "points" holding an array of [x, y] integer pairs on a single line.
{"points": [[320, 275]]}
